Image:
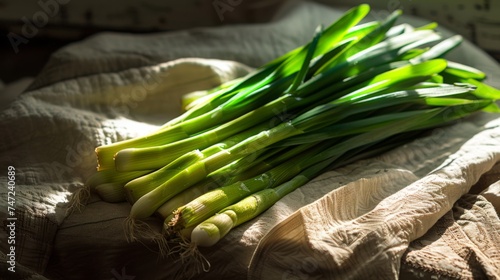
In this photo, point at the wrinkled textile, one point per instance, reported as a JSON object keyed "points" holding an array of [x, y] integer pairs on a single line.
{"points": [[355, 222], [364, 227], [463, 244], [50, 136]]}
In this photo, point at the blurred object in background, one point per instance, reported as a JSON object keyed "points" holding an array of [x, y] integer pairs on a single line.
{"points": [[488, 36], [73, 18], [31, 30], [476, 20]]}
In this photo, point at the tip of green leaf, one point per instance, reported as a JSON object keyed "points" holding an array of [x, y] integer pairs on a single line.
{"points": [[394, 16], [429, 26], [365, 7], [492, 108], [362, 9]]}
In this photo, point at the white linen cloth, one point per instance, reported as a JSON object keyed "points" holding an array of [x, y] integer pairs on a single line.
{"points": [[116, 86]]}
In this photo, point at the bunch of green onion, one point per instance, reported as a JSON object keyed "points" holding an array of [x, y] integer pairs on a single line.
{"points": [[355, 90]]}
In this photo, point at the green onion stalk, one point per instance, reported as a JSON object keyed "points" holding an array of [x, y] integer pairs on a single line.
{"points": [[203, 206], [211, 230], [157, 156], [245, 168], [253, 88], [315, 119], [354, 90]]}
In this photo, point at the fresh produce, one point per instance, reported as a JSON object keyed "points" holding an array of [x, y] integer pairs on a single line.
{"points": [[354, 91]]}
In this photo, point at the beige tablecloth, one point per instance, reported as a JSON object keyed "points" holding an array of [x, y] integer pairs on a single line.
{"points": [[406, 212]]}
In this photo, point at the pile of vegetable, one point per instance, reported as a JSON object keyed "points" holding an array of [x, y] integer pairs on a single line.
{"points": [[354, 91]]}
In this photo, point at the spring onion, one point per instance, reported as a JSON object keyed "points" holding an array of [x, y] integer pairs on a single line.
{"points": [[355, 90]]}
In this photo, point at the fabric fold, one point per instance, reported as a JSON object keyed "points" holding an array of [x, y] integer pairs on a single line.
{"points": [[49, 137], [363, 228], [464, 244]]}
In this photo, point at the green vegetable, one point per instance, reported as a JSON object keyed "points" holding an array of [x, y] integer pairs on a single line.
{"points": [[355, 90]]}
